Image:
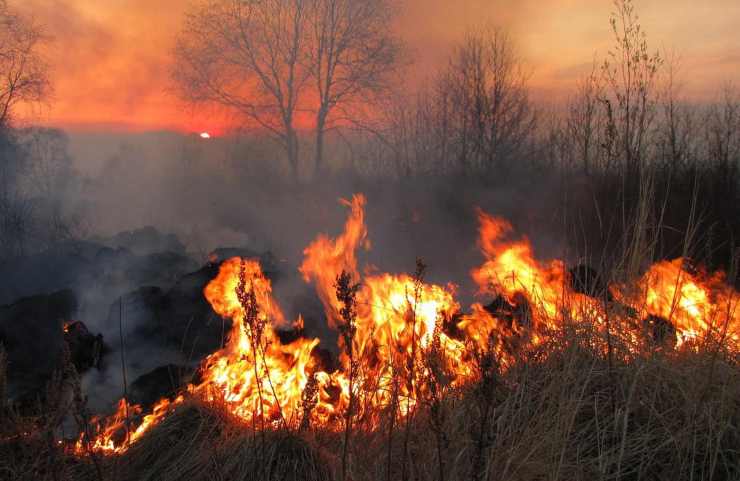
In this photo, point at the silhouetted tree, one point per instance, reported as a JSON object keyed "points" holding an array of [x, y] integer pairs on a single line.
{"points": [[352, 52], [23, 72], [23, 79], [676, 142], [246, 55], [490, 110], [584, 124], [630, 74], [259, 57]]}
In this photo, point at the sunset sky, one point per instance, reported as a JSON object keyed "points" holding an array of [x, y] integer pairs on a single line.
{"points": [[110, 57]]}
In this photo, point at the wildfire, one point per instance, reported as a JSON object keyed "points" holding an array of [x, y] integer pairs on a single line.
{"points": [[255, 374], [694, 303], [115, 434], [407, 331], [326, 258]]}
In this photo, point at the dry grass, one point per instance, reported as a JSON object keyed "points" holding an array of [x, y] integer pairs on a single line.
{"points": [[202, 442], [553, 419], [561, 414]]}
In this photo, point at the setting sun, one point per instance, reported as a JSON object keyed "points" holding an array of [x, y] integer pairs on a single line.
{"points": [[205, 135]]}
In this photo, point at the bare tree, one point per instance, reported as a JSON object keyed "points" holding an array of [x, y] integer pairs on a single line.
{"points": [[258, 57], [630, 73], [583, 123], [23, 79], [49, 180], [475, 117], [414, 139], [674, 140], [23, 72], [722, 133], [351, 53], [246, 55], [491, 110], [48, 162]]}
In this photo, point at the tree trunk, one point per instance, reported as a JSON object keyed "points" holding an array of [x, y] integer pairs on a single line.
{"points": [[319, 166], [292, 151]]}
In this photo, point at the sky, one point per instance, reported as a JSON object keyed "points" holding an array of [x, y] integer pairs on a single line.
{"points": [[110, 58]]}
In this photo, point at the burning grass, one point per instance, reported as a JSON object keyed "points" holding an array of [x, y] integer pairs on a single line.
{"points": [[637, 379], [202, 441], [562, 413]]}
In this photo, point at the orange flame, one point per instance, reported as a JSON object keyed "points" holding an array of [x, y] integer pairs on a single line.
{"points": [[114, 434], [400, 320], [326, 258], [695, 304], [253, 375]]}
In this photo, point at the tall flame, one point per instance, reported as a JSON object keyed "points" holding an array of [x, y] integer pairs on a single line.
{"points": [[254, 373], [326, 258]]}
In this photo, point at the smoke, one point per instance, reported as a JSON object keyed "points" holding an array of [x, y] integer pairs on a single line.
{"points": [[232, 193], [199, 195], [432, 220]]}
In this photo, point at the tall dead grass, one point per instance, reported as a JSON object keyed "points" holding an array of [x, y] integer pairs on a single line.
{"points": [[561, 413]]}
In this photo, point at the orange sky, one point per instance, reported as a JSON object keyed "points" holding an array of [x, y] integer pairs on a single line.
{"points": [[110, 57]]}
